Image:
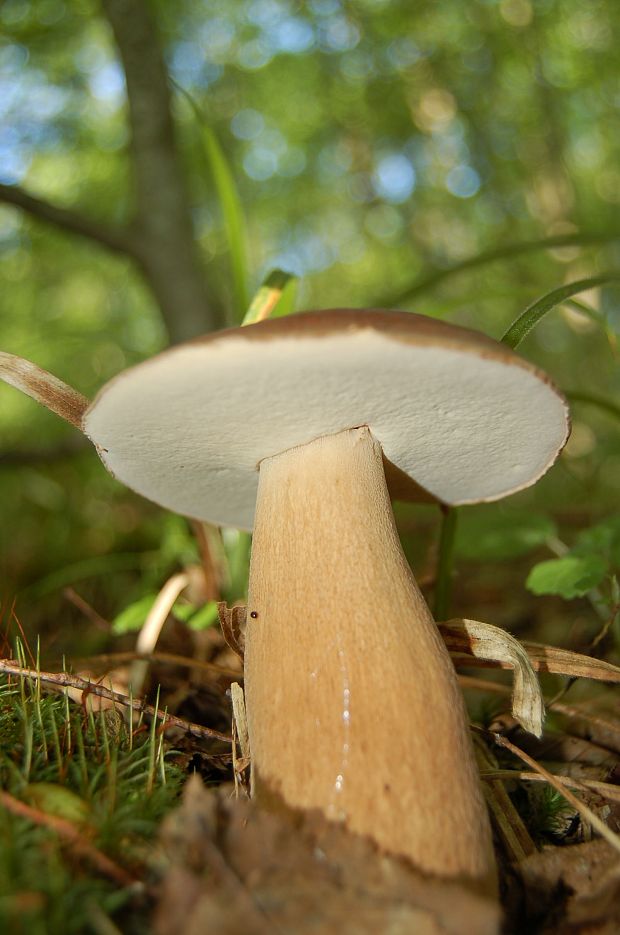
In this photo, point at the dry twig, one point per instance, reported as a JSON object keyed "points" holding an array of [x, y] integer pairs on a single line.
{"points": [[74, 681]]}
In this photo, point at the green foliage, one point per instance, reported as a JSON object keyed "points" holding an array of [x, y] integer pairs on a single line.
{"points": [[134, 615], [490, 534], [528, 320], [569, 576], [220, 171], [274, 299], [593, 558], [111, 783], [549, 815]]}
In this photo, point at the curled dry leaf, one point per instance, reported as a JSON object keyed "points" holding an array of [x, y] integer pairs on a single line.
{"points": [[232, 622], [489, 643], [235, 868]]}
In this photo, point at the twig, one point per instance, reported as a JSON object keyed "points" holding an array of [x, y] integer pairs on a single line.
{"points": [[115, 239], [89, 612], [509, 824], [605, 832], [74, 681], [604, 789], [170, 658], [71, 835]]}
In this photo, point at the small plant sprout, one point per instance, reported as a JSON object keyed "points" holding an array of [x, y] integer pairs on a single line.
{"points": [[302, 429]]}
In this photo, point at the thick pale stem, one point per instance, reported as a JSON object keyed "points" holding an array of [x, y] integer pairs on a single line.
{"points": [[353, 703]]}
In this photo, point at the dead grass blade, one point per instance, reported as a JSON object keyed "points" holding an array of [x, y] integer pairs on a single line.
{"points": [[597, 824], [565, 662], [508, 823], [542, 658], [604, 789], [485, 642]]}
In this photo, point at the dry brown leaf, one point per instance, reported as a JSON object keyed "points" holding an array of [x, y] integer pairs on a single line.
{"points": [[565, 662], [489, 643], [232, 621], [542, 658], [573, 890], [237, 869]]}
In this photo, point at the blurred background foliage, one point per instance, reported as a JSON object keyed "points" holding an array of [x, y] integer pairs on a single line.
{"points": [[375, 147]]}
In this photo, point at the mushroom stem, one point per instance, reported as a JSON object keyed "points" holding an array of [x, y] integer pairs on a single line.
{"points": [[353, 703]]}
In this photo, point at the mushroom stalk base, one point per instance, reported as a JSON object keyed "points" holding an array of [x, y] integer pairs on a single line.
{"points": [[352, 699]]}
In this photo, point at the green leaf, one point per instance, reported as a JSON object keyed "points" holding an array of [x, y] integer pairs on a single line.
{"points": [[134, 615], [204, 617], [274, 299], [492, 534], [570, 576], [522, 326]]}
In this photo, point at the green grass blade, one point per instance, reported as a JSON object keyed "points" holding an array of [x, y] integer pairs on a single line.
{"points": [[275, 297], [230, 204], [233, 216], [522, 326]]}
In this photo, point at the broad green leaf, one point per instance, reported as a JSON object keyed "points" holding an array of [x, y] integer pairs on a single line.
{"points": [[275, 297], [177, 546], [134, 615], [569, 576], [522, 326], [494, 535]]}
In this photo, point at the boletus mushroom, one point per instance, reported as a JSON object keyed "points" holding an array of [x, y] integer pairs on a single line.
{"points": [[301, 428]]}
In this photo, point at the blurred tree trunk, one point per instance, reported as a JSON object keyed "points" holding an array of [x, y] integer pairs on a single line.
{"points": [[163, 231], [160, 237]]}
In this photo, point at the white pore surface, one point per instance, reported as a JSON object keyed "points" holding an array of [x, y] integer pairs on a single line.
{"points": [[188, 429]]}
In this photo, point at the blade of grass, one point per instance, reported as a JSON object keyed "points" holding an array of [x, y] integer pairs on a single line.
{"points": [[274, 299], [230, 204], [522, 326]]}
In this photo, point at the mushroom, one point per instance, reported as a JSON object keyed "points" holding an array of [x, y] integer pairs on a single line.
{"points": [[300, 428]]}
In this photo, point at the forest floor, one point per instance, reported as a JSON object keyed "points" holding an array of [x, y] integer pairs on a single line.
{"points": [[137, 825]]}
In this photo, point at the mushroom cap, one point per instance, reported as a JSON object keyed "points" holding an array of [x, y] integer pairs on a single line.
{"points": [[460, 417]]}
